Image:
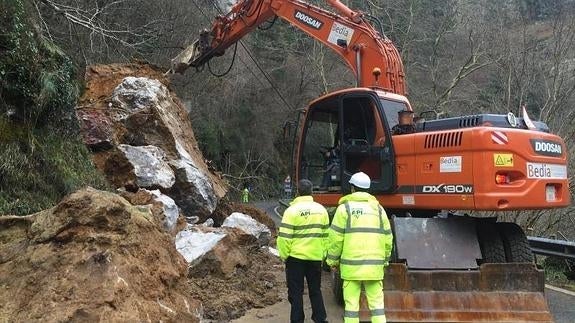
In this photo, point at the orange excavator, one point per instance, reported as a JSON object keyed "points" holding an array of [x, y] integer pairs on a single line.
{"points": [[447, 266]]}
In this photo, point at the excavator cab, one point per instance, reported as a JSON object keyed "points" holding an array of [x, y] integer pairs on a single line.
{"points": [[347, 132]]}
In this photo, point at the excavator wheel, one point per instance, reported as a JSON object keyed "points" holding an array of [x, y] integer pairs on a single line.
{"points": [[515, 243], [490, 242], [337, 286]]}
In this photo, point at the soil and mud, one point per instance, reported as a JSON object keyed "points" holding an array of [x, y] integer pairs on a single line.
{"points": [[93, 257], [99, 257]]}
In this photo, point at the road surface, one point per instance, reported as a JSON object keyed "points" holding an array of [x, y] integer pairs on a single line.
{"points": [[561, 304]]}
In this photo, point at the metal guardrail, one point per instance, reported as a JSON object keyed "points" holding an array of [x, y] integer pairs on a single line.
{"points": [[284, 202], [551, 247]]}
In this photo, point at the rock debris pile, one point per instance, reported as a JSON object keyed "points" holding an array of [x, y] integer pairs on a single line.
{"points": [[166, 247], [141, 137], [93, 257]]}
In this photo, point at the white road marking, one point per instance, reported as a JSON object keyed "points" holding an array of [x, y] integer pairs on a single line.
{"points": [[277, 212], [560, 290]]}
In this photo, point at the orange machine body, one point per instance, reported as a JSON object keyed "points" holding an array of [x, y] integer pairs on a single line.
{"points": [[472, 167], [351, 37]]}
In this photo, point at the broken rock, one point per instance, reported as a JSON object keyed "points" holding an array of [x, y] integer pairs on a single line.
{"points": [[250, 226], [138, 109], [208, 223], [163, 207], [271, 250], [226, 207], [149, 165], [192, 244], [211, 251], [256, 284], [171, 211], [96, 129]]}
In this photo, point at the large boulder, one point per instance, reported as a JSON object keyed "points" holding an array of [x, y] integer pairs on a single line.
{"points": [[193, 189], [248, 225], [142, 138], [150, 168], [162, 206], [94, 257], [211, 251]]}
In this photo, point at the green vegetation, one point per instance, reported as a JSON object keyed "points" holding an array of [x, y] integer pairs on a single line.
{"points": [[42, 157], [557, 272], [33, 180]]}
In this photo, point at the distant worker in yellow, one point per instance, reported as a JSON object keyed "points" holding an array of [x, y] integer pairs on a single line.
{"points": [[245, 195], [302, 244], [360, 243]]}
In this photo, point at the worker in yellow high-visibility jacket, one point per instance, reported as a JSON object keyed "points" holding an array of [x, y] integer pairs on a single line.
{"points": [[302, 244], [360, 243]]}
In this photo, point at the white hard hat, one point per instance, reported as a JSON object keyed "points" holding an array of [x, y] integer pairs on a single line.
{"points": [[361, 180]]}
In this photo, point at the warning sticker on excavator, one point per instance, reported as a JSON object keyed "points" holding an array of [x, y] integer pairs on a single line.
{"points": [[339, 31], [408, 199], [503, 160]]}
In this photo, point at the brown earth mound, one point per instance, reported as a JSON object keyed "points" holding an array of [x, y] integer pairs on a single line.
{"points": [[93, 257], [255, 285]]}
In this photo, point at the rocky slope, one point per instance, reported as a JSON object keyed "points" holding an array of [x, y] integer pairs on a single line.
{"points": [[141, 137]]}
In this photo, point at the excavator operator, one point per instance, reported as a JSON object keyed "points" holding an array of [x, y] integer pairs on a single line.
{"points": [[406, 124], [331, 165]]}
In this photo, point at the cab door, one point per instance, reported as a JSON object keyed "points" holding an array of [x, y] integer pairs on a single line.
{"points": [[365, 143]]}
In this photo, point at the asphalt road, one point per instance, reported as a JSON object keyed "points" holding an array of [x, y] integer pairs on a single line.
{"points": [[561, 305], [269, 207]]}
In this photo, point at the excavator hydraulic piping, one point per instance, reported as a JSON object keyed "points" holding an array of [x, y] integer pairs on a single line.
{"points": [[358, 62], [346, 11]]}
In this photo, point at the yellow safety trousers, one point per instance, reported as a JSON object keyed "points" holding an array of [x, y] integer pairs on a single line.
{"points": [[374, 295]]}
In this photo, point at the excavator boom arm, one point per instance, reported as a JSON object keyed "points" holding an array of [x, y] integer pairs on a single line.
{"points": [[374, 59]]}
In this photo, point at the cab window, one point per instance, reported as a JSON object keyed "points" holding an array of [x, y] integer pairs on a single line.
{"points": [[321, 137]]}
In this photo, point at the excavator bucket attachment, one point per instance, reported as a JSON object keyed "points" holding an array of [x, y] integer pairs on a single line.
{"points": [[437, 278], [181, 62], [494, 293], [194, 55]]}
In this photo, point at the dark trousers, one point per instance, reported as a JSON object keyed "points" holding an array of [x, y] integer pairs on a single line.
{"points": [[296, 270]]}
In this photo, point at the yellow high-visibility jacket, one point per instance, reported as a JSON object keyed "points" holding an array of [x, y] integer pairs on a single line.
{"points": [[303, 231], [360, 238]]}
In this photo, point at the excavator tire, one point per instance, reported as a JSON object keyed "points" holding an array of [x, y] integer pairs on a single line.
{"points": [[337, 287], [490, 243], [515, 243]]}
